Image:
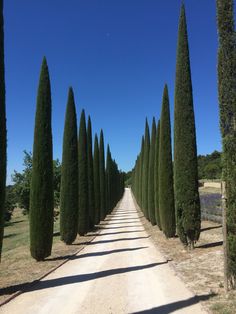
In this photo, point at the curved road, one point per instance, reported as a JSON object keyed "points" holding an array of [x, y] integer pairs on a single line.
{"points": [[120, 271]]}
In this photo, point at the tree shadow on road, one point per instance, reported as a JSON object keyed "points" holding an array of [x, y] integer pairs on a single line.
{"points": [[119, 227], [210, 228], [94, 254], [112, 240], [50, 283], [209, 245], [114, 233], [172, 307], [120, 219], [117, 223]]}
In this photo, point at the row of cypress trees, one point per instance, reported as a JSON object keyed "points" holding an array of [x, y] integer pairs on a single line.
{"points": [[169, 195], [89, 188]]}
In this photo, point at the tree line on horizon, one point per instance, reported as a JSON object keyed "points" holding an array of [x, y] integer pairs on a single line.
{"points": [[167, 195]]}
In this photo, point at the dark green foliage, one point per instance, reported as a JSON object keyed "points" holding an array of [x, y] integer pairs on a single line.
{"points": [[56, 182], [185, 152], [166, 189], [108, 180], [83, 219], [3, 131], [41, 192], [10, 202], [227, 101], [151, 176], [145, 171], [91, 201], [102, 178], [128, 176], [156, 177], [22, 182], [96, 166], [69, 175], [141, 176], [209, 166]]}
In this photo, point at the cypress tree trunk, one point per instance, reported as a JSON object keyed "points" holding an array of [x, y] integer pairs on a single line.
{"points": [[227, 101], [187, 202], [3, 131], [41, 191], [69, 175], [166, 189], [156, 177], [91, 201], [145, 171], [83, 223], [102, 178], [151, 194], [96, 165]]}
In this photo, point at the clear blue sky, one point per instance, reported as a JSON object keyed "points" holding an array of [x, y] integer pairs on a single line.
{"points": [[117, 55]]}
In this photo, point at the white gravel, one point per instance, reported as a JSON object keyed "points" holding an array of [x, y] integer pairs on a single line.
{"points": [[121, 271]]}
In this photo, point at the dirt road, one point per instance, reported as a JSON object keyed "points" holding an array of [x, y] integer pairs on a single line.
{"points": [[120, 271]]}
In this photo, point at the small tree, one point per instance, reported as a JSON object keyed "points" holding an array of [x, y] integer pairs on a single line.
{"points": [[151, 176], [83, 223], [187, 201], [69, 177], [166, 190], [41, 192]]}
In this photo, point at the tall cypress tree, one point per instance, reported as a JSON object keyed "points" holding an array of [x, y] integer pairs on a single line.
{"points": [[151, 176], [69, 175], [145, 170], [108, 180], [156, 177], [96, 165], [91, 201], [227, 101], [41, 191], [83, 223], [166, 188], [102, 178], [141, 174], [3, 131], [187, 202]]}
